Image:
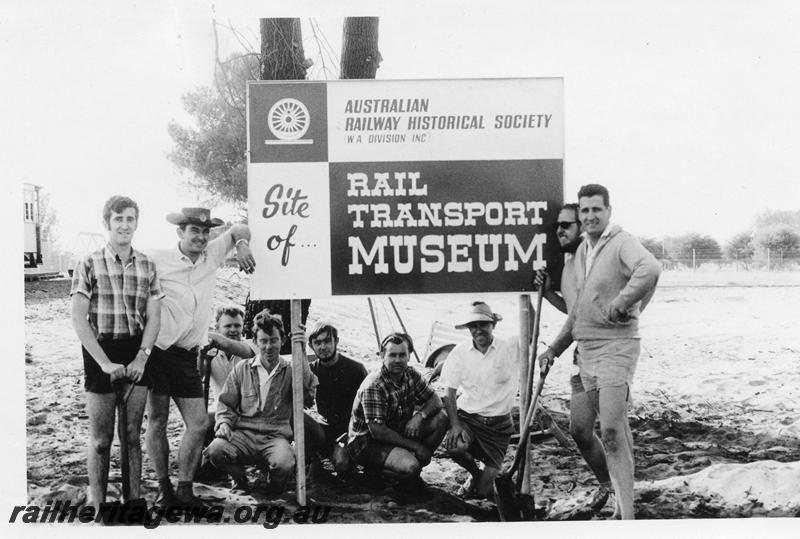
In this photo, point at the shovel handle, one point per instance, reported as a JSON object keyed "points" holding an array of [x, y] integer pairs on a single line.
{"points": [[122, 412], [525, 428]]}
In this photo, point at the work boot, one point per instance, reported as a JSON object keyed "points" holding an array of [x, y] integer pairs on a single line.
{"points": [[166, 498], [600, 498], [186, 497]]}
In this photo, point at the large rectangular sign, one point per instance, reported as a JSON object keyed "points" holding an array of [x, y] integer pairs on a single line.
{"points": [[403, 187]]}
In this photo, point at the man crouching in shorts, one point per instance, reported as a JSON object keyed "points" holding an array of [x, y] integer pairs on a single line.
{"points": [[386, 434], [115, 312], [486, 370]]}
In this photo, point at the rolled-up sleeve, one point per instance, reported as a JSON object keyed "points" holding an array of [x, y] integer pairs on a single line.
{"points": [[374, 403]]}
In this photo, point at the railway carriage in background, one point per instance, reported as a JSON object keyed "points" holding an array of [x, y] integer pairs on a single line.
{"points": [[32, 229]]}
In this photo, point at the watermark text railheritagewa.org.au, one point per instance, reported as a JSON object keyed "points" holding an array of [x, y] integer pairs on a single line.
{"points": [[269, 516]]}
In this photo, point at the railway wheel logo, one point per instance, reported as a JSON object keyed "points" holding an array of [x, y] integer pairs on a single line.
{"points": [[288, 120]]}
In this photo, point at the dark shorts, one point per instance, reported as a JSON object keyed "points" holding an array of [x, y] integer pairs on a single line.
{"points": [[489, 436], [120, 351], [174, 372], [320, 436], [374, 455]]}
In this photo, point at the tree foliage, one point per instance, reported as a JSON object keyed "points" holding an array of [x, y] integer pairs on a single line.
{"points": [[782, 238], [740, 248], [768, 218], [654, 246], [693, 246], [213, 150]]}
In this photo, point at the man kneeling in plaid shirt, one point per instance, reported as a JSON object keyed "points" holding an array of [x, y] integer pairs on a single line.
{"points": [[386, 434]]}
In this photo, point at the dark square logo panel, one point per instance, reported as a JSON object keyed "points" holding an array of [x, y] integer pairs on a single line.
{"points": [[288, 122]]}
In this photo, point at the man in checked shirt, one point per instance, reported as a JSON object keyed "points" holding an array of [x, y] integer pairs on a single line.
{"points": [[397, 420], [116, 314]]}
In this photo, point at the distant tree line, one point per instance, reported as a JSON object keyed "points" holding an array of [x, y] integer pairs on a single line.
{"points": [[773, 242]]}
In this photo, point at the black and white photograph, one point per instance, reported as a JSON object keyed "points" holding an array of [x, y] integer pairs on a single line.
{"points": [[292, 265]]}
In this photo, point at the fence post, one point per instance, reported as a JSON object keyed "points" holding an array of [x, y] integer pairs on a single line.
{"points": [[694, 260]]}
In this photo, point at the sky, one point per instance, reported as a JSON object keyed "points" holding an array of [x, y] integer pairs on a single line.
{"points": [[684, 110]]}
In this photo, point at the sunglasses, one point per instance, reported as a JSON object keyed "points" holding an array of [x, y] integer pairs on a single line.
{"points": [[564, 224]]}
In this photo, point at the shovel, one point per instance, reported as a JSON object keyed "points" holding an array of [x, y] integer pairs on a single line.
{"points": [[129, 511], [512, 505]]}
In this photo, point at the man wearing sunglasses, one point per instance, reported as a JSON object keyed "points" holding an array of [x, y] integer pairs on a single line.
{"points": [[581, 412]]}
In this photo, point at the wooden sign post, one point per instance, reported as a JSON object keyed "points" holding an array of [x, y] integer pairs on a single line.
{"points": [[524, 385], [298, 356]]}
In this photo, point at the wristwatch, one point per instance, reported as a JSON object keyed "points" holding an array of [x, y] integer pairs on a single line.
{"points": [[145, 350]]}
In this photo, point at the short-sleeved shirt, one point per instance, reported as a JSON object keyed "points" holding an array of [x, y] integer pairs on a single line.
{"points": [[488, 382], [380, 399], [117, 292], [189, 291], [337, 389]]}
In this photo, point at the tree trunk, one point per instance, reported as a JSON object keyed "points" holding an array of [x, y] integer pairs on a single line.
{"points": [[360, 55], [282, 56]]}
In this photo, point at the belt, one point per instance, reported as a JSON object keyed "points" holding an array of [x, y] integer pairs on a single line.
{"points": [[486, 419], [193, 350]]}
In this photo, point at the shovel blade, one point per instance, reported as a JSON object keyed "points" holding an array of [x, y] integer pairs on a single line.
{"points": [[506, 499], [527, 507]]}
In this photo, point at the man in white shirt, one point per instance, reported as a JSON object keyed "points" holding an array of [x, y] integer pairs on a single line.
{"points": [[486, 370], [188, 275]]}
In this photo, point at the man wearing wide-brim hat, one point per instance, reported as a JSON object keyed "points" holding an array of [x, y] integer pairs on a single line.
{"points": [[486, 372], [188, 274]]}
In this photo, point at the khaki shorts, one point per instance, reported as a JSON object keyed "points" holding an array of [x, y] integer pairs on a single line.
{"points": [[607, 363]]}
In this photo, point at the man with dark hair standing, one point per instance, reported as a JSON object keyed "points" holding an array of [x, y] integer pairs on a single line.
{"points": [[254, 410], [339, 379], [616, 278], [188, 275], [581, 412], [115, 312], [397, 420]]}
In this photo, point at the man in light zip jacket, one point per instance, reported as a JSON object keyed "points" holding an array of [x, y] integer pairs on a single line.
{"points": [[616, 278]]}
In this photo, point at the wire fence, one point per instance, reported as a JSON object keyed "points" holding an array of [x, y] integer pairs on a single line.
{"points": [[710, 259]]}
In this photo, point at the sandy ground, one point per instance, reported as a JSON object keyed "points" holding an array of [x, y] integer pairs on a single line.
{"points": [[715, 415]]}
